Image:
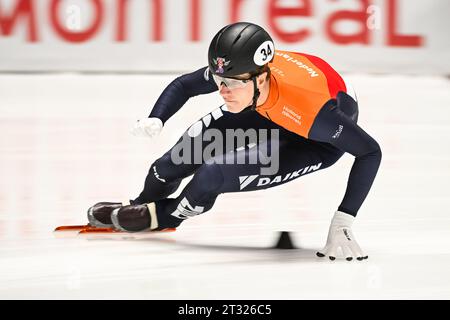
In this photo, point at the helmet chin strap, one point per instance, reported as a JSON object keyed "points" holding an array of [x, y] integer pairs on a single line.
{"points": [[256, 94]]}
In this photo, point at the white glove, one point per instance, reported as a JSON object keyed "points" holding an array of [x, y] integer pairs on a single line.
{"points": [[148, 127], [340, 235]]}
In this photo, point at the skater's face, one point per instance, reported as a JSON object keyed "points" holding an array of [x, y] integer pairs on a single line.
{"points": [[239, 96]]}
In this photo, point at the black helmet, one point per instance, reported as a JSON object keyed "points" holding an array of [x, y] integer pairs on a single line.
{"points": [[240, 48]]}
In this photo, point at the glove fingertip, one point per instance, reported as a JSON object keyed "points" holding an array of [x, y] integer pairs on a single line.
{"points": [[320, 255]]}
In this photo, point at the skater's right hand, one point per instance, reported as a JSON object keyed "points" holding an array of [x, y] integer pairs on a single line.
{"points": [[148, 127], [340, 235]]}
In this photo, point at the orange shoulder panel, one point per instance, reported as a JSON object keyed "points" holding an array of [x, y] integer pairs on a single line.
{"points": [[298, 90]]}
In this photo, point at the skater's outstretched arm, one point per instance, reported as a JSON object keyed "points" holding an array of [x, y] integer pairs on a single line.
{"points": [[333, 126], [180, 90]]}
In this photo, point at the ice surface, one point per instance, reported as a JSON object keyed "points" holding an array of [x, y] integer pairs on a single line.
{"points": [[64, 145]]}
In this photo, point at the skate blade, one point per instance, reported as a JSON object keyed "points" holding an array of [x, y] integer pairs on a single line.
{"points": [[97, 230], [72, 228], [93, 230]]}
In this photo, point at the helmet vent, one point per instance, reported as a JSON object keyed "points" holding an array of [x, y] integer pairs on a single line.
{"points": [[237, 39]]}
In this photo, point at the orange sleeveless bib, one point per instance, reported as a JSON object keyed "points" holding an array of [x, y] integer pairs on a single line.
{"points": [[300, 85]]}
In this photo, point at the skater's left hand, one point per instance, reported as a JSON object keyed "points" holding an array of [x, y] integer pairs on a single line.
{"points": [[148, 127], [340, 235]]}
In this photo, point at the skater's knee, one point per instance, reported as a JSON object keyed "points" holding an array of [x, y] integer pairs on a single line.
{"points": [[209, 177], [164, 161], [164, 169]]}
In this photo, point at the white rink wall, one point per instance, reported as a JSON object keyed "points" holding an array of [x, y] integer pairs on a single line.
{"points": [[379, 36]]}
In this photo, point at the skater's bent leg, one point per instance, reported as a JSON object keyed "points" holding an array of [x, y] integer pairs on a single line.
{"points": [[164, 177], [210, 180], [197, 197]]}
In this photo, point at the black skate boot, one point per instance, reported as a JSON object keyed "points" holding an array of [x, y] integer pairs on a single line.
{"points": [[134, 218], [99, 215]]}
